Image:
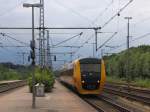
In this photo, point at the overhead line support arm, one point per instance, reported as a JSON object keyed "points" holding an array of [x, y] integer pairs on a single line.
{"points": [[55, 28]]}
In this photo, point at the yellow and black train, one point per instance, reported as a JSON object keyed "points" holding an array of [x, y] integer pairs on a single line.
{"points": [[86, 75]]}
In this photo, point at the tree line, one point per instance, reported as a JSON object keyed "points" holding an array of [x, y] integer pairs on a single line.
{"points": [[9, 71], [133, 63]]}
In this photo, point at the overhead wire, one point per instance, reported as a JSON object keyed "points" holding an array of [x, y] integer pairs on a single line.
{"points": [[107, 40], [117, 14], [3, 34], [134, 24], [102, 12], [135, 39], [12, 9], [77, 40], [73, 11], [114, 15], [6, 49], [67, 46], [68, 39], [11, 45], [83, 16], [95, 20], [19, 41], [84, 43], [107, 22], [17, 46], [145, 19], [140, 37]]}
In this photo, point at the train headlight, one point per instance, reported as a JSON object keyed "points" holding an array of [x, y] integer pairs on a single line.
{"points": [[83, 81], [98, 81]]}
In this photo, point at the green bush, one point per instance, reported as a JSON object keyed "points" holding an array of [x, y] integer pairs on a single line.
{"points": [[44, 76]]}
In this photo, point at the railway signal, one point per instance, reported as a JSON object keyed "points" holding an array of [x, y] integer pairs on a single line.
{"points": [[54, 57], [32, 52]]}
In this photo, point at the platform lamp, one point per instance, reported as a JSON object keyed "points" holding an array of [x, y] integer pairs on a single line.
{"points": [[33, 49]]}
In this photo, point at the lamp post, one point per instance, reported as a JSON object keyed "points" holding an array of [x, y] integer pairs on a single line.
{"points": [[33, 50]]}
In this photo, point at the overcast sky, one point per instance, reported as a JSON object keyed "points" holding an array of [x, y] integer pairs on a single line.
{"points": [[75, 13]]}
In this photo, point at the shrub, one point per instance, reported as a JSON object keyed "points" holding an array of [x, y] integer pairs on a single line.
{"points": [[44, 76]]}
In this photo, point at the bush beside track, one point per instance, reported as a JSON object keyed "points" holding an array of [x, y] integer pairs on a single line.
{"points": [[44, 76], [138, 66]]}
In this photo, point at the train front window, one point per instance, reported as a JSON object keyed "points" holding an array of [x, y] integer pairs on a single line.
{"points": [[90, 68], [90, 76]]}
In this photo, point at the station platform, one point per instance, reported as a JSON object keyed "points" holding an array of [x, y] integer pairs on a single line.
{"points": [[4, 82], [59, 100]]}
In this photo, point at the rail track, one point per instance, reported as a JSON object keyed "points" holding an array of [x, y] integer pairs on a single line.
{"points": [[129, 88], [142, 96], [104, 104], [95, 103], [114, 104], [101, 103], [6, 86]]}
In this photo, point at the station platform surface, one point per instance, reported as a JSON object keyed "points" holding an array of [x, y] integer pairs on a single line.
{"points": [[3, 82], [60, 100]]}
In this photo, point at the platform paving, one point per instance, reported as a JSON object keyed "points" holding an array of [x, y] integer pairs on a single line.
{"points": [[3, 82], [60, 100]]}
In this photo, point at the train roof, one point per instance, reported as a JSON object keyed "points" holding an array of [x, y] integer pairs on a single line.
{"points": [[89, 60], [82, 61]]}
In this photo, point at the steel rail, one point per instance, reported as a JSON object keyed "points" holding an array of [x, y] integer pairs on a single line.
{"points": [[117, 106], [125, 87], [94, 105], [127, 95]]}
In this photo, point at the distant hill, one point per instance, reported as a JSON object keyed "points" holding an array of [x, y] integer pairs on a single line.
{"points": [[135, 63], [11, 65]]}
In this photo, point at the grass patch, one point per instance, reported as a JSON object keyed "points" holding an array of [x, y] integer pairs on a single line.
{"points": [[137, 82], [142, 83], [115, 79]]}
